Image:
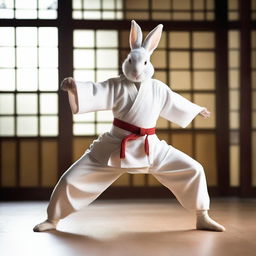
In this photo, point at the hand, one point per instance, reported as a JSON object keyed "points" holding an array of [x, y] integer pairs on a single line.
{"points": [[68, 84], [205, 113]]}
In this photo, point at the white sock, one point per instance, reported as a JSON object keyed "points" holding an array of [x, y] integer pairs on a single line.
{"points": [[204, 222], [46, 225]]}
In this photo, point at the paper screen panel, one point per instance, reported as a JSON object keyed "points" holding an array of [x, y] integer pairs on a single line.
{"points": [[80, 145], [180, 80], [162, 123], [233, 10], [144, 9], [234, 58], [123, 180], [49, 158], [161, 4], [8, 163], [234, 165], [163, 136], [106, 38], [183, 142], [7, 126], [137, 5], [29, 9], [7, 103], [138, 15], [205, 100], [161, 16], [203, 40], [179, 60], [179, 40], [204, 80], [203, 60], [234, 120], [153, 182], [138, 180], [162, 43], [29, 165], [254, 158], [161, 75], [181, 5], [182, 16], [205, 152], [124, 38], [234, 79], [234, 103], [158, 59]]}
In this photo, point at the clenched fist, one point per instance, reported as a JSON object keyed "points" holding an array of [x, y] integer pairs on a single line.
{"points": [[205, 113], [68, 84]]}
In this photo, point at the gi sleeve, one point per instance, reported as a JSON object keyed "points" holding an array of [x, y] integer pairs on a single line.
{"points": [[178, 109], [95, 96]]}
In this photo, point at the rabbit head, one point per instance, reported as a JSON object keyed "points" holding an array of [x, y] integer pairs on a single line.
{"points": [[137, 66]]}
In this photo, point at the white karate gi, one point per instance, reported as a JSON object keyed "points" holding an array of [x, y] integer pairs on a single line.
{"points": [[101, 165]]}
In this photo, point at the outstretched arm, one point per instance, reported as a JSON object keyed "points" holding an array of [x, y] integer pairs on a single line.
{"points": [[179, 110], [69, 85], [88, 96]]}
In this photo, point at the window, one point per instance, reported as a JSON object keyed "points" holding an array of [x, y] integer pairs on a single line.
{"points": [[29, 74], [144, 9], [28, 9], [95, 59], [253, 77], [253, 9], [38, 141], [97, 9], [234, 106], [233, 10]]}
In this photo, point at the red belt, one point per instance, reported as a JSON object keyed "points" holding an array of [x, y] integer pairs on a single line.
{"points": [[136, 132]]}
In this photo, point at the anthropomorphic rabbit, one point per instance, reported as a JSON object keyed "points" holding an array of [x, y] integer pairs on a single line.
{"points": [[131, 145]]}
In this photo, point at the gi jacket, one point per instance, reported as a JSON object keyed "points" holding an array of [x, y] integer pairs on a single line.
{"points": [[138, 107]]}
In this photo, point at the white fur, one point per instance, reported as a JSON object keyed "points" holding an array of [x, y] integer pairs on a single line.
{"points": [[137, 66]]}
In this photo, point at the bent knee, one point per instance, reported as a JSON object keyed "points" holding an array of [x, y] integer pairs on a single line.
{"points": [[70, 176]]}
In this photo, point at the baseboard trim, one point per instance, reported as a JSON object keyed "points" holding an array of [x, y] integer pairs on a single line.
{"points": [[20, 194]]}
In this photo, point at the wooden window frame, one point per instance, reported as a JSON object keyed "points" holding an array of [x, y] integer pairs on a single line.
{"points": [[66, 25]]}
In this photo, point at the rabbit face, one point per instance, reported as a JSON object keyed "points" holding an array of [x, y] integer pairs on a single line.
{"points": [[137, 66]]}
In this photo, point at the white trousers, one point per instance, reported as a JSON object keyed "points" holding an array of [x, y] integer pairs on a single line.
{"points": [[86, 179]]}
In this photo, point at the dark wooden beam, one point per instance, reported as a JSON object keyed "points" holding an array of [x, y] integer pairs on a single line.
{"points": [[35, 193], [245, 99], [222, 96], [145, 24], [65, 69]]}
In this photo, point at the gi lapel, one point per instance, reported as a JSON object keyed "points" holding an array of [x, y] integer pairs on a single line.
{"points": [[133, 92], [141, 94]]}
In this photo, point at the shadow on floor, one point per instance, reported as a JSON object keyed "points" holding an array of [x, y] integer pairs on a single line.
{"points": [[139, 243]]}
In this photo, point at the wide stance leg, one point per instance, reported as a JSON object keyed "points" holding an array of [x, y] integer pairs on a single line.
{"points": [[80, 185], [186, 179]]}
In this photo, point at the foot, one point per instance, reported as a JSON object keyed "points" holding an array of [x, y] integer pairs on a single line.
{"points": [[204, 222], [46, 225]]}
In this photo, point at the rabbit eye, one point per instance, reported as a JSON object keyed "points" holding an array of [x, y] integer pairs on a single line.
{"points": [[145, 63], [130, 61]]}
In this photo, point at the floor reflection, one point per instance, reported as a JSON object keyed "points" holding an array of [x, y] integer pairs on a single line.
{"points": [[139, 243]]}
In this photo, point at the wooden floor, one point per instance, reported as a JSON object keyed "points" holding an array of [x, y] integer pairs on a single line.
{"points": [[129, 228]]}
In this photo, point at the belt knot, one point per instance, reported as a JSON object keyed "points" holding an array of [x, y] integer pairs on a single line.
{"points": [[136, 132]]}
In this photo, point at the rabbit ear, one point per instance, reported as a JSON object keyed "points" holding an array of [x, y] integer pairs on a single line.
{"points": [[151, 41], [135, 35]]}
